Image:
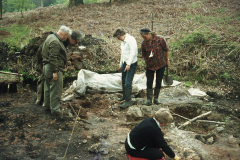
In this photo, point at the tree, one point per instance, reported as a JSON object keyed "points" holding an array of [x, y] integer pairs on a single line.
{"points": [[21, 4], [75, 2], [49, 2], [44, 3], [1, 9]]}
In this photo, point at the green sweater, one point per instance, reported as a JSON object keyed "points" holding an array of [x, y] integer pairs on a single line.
{"points": [[54, 53]]}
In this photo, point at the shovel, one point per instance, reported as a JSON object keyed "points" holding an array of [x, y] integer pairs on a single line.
{"points": [[167, 80]]}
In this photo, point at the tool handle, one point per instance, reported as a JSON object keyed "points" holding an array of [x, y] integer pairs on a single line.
{"points": [[167, 69]]}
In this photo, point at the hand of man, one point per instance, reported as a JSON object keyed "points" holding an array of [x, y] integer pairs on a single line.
{"points": [[127, 68], [55, 76], [167, 62], [176, 158], [120, 68]]}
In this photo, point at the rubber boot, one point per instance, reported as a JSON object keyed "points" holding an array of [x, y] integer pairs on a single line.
{"points": [[123, 97], [149, 97], [127, 102], [156, 94]]}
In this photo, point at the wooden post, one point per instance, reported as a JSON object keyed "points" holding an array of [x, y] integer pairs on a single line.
{"points": [[152, 21], [19, 86]]}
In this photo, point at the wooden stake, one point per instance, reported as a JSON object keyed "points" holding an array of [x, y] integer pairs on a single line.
{"points": [[198, 120], [77, 114], [191, 120], [211, 121], [152, 21]]}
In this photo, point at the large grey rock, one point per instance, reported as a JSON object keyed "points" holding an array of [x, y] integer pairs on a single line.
{"points": [[134, 112], [147, 110]]}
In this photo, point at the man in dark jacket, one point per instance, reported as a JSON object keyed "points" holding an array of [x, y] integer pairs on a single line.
{"points": [[146, 137], [54, 56], [75, 38]]}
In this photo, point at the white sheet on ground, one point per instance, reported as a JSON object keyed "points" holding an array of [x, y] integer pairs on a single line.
{"points": [[94, 82], [196, 92]]}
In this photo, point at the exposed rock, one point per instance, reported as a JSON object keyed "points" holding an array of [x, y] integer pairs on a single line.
{"points": [[104, 150], [233, 141], [167, 139], [78, 65], [219, 129], [193, 157], [84, 141], [210, 140], [147, 111], [94, 148], [134, 112]]}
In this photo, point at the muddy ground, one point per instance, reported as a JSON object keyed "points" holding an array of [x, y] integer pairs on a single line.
{"points": [[28, 132]]}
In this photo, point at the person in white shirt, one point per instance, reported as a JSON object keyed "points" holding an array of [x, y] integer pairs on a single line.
{"points": [[128, 64]]}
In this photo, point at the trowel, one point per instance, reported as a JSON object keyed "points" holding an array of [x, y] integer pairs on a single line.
{"points": [[167, 80]]}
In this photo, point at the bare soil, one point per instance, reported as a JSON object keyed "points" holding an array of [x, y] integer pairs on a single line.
{"points": [[27, 132]]}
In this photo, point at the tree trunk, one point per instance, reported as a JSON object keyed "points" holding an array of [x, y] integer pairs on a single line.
{"points": [[41, 3], [75, 2], [22, 9], [1, 9]]}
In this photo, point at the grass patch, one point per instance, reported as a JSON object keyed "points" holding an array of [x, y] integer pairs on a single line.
{"points": [[188, 84], [221, 10], [194, 53], [50, 28], [195, 5], [19, 36]]}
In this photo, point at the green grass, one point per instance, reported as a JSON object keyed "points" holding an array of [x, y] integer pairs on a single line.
{"points": [[195, 5], [50, 28], [221, 10], [19, 36], [188, 84]]}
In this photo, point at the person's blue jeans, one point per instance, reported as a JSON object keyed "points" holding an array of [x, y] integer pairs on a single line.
{"points": [[127, 77]]}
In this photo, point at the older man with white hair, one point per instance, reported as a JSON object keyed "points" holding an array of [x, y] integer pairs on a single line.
{"points": [[54, 59]]}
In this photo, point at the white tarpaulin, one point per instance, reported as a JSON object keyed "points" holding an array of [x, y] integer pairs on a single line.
{"points": [[94, 82]]}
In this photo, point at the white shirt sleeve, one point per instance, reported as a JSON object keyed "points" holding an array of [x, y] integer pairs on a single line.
{"points": [[133, 50]]}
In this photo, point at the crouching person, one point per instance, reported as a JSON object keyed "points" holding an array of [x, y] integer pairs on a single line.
{"points": [[145, 140]]}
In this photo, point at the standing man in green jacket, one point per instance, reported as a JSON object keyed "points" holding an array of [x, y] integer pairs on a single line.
{"points": [[54, 59], [74, 39]]}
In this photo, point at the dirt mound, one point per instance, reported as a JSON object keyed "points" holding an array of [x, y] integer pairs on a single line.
{"points": [[4, 33], [95, 57]]}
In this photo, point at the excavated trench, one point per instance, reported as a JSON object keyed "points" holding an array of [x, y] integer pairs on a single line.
{"points": [[29, 132]]}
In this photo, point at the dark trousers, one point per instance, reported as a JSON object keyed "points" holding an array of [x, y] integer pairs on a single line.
{"points": [[127, 77], [148, 152], [159, 77]]}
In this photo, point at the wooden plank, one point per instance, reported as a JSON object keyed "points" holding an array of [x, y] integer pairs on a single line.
{"points": [[10, 73], [8, 78]]}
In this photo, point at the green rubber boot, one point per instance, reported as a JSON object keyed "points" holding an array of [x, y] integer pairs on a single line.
{"points": [[156, 94], [123, 97], [127, 102], [149, 97]]}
